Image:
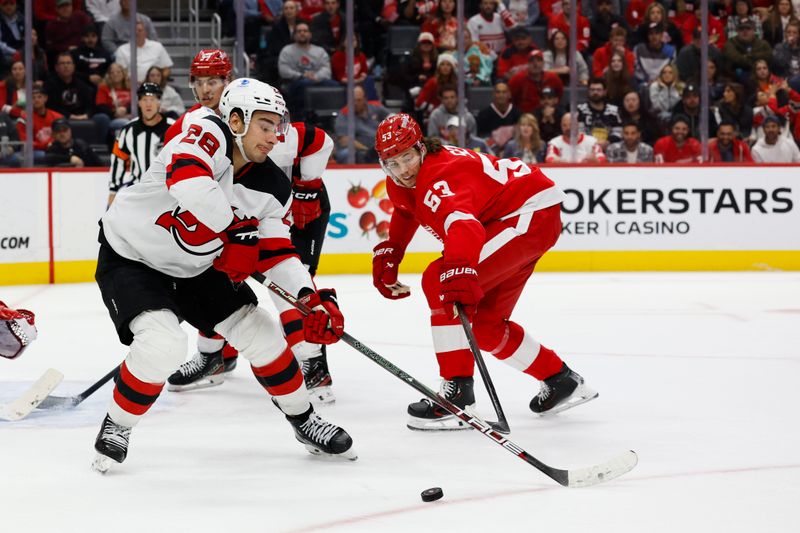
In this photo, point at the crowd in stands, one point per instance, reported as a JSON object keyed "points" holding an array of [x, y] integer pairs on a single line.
{"points": [[638, 73], [638, 68], [81, 81]]}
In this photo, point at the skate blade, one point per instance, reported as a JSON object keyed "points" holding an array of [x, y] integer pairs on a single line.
{"points": [[204, 383], [349, 455], [581, 395], [102, 464], [447, 423], [322, 395]]}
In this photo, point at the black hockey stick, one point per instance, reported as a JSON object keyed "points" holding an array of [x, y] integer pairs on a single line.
{"points": [[502, 424], [68, 402], [580, 477]]}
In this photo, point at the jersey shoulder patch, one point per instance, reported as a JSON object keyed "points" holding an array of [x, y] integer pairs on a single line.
{"points": [[267, 178]]}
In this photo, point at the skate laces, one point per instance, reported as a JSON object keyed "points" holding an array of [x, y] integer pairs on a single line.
{"points": [[116, 434], [194, 365], [318, 429], [448, 389], [544, 392]]}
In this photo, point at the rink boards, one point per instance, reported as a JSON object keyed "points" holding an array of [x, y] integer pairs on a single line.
{"points": [[616, 218]]}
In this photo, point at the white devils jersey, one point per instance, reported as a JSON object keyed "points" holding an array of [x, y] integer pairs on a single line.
{"points": [[303, 151], [169, 220]]}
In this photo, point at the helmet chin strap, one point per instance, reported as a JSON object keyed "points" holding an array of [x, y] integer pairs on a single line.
{"points": [[237, 137]]}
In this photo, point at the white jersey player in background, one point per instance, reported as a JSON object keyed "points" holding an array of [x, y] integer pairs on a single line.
{"points": [[178, 244], [302, 153]]}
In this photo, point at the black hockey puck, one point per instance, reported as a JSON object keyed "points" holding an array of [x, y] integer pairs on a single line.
{"points": [[431, 495]]}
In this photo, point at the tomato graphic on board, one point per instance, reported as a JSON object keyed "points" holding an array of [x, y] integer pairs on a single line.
{"points": [[382, 229], [357, 196], [367, 222], [386, 206]]}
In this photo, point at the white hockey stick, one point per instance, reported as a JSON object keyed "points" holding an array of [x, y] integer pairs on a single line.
{"points": [[22, 406]]}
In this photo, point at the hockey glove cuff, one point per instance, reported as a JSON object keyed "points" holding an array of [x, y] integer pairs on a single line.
{"points": [[386, 258], [459, 284], [306, 202], [239, 255], [325, 323]]}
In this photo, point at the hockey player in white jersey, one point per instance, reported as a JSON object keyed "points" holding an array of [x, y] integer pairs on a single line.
{"points": [[302, 153], [178, 245]]}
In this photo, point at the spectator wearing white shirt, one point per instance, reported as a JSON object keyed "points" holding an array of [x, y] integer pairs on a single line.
{"points": [[774, 147], [586, 149], [148, 54], [102, 11]]}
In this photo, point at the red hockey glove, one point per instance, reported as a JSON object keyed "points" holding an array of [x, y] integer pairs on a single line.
{"points": [[459, 284], [240, 249], [386, 259], [325, 323], [305, 201], [17, 331]]}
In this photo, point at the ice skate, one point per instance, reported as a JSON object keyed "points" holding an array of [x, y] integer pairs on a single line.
{"points": [[111, 445], [560, 392], [318, 378], [426, 415], [229, 364], [201, 371], [321, 437]]}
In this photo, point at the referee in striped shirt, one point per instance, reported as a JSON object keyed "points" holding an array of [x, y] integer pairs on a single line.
{"points": [[138, 142]]}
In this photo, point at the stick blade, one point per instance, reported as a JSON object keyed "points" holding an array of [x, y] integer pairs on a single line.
{"points": [[594, 475], [59, 402], [22, 406]]}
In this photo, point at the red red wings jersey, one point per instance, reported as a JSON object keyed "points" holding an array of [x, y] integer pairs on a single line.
{"points": [[459, 191]]}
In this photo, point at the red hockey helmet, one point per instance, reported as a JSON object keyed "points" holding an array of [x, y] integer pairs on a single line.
{"points": [[212, 63], [396, 134]]}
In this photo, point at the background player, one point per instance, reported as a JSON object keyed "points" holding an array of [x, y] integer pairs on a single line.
{"points": [[302, 153], [139, 141], [159, 241], [496, 218]]}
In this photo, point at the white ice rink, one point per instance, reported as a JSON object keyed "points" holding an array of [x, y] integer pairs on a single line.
{"points": [[699, 373]]}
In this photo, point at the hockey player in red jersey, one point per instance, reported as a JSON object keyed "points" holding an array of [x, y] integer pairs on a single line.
{"points": [[17, 331], [303, 153], [496, 218], [180, 243]]}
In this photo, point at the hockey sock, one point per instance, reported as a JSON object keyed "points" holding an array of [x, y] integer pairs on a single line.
{"points": [[132, 397], [450, 343], [292, 322], [209, 344], [229, 352], [507, 341], [283, 380]]}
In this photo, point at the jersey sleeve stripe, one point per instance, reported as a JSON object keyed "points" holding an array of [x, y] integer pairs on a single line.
{"points": [[186, 167], [313, 141]]}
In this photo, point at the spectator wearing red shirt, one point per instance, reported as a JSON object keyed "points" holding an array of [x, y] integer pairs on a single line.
{"points": [[550, 8], [526, 86], [634, 13], [726, 147], [64, 32], [602, 55], [514, 57], [428, 98], [678, 147], [45, 10], [561, 22], [42, 124], [360, 69]]}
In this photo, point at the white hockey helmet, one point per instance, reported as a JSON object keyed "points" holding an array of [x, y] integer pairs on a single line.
{"points": [[248, 96]]}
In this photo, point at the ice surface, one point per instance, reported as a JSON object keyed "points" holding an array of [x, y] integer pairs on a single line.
{"points": [[696, 372]]}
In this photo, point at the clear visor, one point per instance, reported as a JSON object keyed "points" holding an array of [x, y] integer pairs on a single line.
{"points": [[203, 84], [403, 168]]}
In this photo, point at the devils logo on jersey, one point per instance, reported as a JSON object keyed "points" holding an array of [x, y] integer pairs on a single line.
{"points": [[191, 235]]}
